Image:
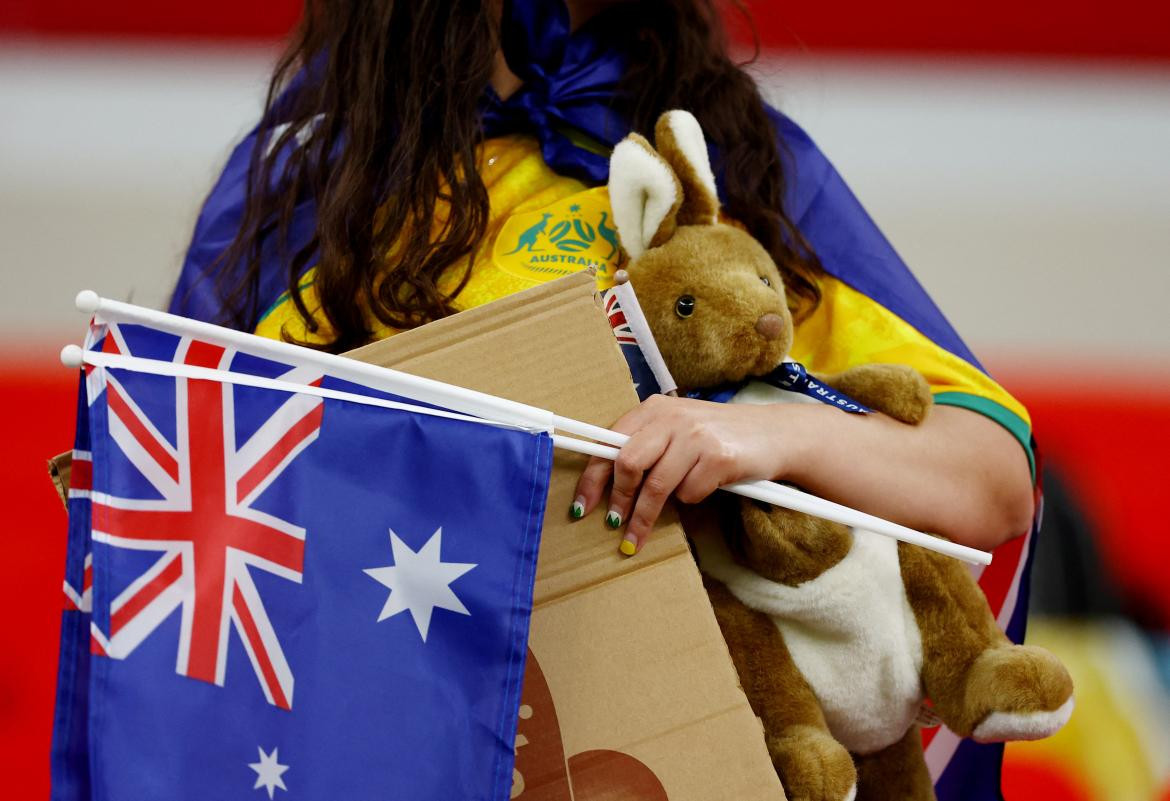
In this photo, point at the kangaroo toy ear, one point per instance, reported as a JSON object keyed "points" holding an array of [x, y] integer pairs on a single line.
{"points": [[680, 141], [644, 193]]}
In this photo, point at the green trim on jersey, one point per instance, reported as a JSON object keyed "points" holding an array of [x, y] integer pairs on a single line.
{"points": [[1000, 414]]}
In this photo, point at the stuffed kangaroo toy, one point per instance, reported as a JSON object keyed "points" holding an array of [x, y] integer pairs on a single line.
{"points": [[839, 636]]}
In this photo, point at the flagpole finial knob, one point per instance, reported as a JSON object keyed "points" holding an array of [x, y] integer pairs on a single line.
{"points": [[71, 356], [87, 301]]}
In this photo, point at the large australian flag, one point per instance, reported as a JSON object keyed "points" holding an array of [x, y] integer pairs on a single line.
{"points": [[289, 595]]}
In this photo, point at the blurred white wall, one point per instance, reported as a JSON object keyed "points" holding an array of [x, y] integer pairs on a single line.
{"points": [[1031, 198], [105, 154]]}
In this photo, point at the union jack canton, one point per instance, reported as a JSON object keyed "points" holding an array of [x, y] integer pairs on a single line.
{"points": [[202, 526]]}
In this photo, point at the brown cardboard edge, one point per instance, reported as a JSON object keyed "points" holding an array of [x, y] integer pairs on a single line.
{"points": [[481, 319], [60, 468]]}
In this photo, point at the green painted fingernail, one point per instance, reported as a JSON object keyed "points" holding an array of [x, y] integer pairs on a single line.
{"points": [[577, 509], [613, 519]]}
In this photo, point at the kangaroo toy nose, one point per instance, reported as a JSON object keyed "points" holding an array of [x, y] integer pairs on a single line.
{"points": [[770, 326]]}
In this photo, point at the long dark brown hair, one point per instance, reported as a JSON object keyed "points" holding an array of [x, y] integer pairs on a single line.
{"points": [[390, 121]]}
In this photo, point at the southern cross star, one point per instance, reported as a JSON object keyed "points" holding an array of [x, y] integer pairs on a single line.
{"points": [[268, 772], [419, 582]]}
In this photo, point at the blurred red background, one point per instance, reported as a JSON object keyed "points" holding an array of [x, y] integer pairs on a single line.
{"points": [[38, 400], [1130, 29]]}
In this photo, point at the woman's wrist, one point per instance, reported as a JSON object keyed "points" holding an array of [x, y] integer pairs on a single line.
{"points": [[798, 437]]}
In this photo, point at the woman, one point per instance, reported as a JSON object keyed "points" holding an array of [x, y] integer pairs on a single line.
{"points": [[418, 158], [385, 120]]}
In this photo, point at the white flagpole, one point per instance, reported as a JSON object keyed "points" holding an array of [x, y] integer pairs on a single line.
{"points": [[467, 401], [491, 408], [385, 379], [73, 355]]}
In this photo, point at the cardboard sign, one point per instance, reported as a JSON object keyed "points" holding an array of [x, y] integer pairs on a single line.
{"points": [[629, 689]]}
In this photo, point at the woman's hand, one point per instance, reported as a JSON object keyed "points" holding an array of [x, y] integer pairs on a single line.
{"points": [[688, 448]]}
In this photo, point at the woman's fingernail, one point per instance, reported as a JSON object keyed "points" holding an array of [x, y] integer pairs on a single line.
{"points": [[613, 519], [629, 545], [577, 508]]}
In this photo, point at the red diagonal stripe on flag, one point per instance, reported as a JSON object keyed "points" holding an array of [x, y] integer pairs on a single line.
{"points": [[303, 429], [997, 577], [145, 438], [928, 735], [252, 632], [211, 523], [146, 595]]}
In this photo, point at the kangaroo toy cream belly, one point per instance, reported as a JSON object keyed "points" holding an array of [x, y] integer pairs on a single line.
{"points": [[850, 631]]}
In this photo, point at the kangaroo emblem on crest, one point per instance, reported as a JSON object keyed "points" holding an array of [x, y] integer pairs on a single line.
{"points": [[528, 238], [608, 234]]}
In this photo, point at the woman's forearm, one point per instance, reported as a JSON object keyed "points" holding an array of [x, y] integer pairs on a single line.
{"points": [[958, 473]]}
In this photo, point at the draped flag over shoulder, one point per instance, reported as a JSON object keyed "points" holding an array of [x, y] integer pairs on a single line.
{"points": [[272, 593]]}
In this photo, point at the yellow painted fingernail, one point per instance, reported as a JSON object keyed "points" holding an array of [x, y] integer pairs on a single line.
{"points": [[629, 546]]}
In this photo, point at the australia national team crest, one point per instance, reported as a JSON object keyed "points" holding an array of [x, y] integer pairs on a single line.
{"points": [[566, 237]]}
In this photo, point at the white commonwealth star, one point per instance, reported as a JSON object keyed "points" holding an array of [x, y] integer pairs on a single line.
{"points": [[268, 772], [419, 581]]}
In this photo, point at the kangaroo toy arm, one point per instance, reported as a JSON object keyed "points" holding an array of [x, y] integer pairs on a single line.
{"points": [[894, 390], [982, 685]]}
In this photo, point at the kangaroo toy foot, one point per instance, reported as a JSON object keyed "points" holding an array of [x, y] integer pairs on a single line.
{"points": [[1004, 726], [1017, 693], [812, 765]]}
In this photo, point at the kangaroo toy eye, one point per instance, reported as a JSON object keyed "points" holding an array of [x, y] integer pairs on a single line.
{"points": [[764, 280], [685, 306]]}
